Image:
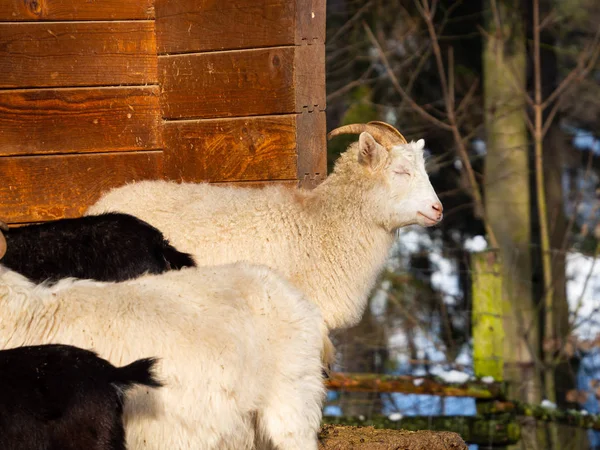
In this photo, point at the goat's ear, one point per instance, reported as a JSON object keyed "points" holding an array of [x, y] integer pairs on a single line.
{"points": [[370, 153]]}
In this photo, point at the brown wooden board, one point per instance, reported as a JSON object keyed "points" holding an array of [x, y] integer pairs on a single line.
{"points": [[43, 121], [77, 54], [184, 26], [312, 148], [276, 80], [309, 78], [310, 21], [30, 10], [250, 149], [34, 189]]}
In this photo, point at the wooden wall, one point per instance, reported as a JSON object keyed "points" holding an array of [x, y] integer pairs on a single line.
{"points": [[94, 94]]}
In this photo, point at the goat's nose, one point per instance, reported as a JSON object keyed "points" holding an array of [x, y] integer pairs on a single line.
{"points": [[438, 208]]}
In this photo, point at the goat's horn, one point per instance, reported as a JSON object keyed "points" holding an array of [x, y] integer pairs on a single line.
{"points": [[400, 139], [383, 132], [2, 245]]}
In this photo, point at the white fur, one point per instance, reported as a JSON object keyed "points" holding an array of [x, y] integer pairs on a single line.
{"points": [[239, 348], [331, 242]]}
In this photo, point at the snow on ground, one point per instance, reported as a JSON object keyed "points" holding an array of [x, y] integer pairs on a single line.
{"points": [[583, 293], [548, 404], [475, 244], [394, 417], [444, 278], [451, 376]]}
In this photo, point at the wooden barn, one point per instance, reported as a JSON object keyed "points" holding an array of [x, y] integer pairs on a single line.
{"points": [[97, 93]]}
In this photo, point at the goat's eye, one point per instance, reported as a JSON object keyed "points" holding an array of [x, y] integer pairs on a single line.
{"points": [[401, 172]]}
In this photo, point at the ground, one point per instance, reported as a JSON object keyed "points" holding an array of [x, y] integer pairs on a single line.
{"points": [[336, 437]]}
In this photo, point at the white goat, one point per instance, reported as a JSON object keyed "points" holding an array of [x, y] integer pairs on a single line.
{"points": [[239, 348], [331, 242]]}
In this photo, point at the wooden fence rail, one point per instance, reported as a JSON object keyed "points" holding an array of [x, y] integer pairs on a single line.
{"points": [[368, 382]]}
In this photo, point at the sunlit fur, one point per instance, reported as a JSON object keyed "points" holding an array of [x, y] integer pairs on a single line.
{"points": [[239, 350], [331, 242]]}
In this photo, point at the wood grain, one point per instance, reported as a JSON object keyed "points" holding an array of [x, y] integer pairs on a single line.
{"points": [[310, 22], [184, 26], [312, 148], [309, 77], [36, 189], [77, 54], [276, 80], [79, 120], [30, 10], [249, 149]]}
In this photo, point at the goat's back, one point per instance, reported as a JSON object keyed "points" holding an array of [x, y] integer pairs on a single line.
{"points": [[228, 337], [217, 224], [106, 247]]}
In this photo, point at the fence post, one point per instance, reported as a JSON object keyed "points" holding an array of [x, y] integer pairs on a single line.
{"points": [[488, 332], [486, 318]]}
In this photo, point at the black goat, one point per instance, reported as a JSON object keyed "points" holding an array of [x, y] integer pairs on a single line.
{"points": [[107, 247], [59, 397]]}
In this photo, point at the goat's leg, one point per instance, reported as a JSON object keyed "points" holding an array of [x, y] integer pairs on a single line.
{"points": [[291, 416]]}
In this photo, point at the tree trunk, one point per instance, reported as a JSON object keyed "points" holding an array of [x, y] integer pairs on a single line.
{"points": [[555, 147], [565, 371], [507, 197]]}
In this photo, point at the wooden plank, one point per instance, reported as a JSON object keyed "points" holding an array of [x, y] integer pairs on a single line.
{"points": [[309, 77], [30, 10], [36, 189], [310, 21], [312, 148], [77, 54], [249, 149], [277, 80], [184, 26], [79, 120]]}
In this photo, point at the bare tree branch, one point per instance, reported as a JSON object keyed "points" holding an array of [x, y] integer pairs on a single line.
{"points": [[468, 97], [451, 113], [397, 86], [580, 71], [351, 85], [351, 21]]}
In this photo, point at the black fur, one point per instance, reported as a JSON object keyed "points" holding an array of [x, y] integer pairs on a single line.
{"points": [[107, 247], [59, 397]]}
